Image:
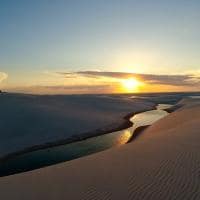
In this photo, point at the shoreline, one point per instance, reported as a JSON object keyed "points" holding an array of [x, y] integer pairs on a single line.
{"points": [[173, 108], [124, 125], [138, 131]]}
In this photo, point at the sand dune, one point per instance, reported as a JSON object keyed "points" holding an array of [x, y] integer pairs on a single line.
{"points": [[28, 121], [186, 102], [163, 163]]}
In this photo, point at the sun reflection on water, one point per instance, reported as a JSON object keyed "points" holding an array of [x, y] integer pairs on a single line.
{"points": [[124, 138]]}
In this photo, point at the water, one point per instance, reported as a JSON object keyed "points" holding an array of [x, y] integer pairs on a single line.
{"points": [[54, 155], [195, 97]]}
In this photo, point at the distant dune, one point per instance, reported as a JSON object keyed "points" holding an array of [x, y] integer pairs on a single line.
{"points": [[162, 164], [28, 121]]}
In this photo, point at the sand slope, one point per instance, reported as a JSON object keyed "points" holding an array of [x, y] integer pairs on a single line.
{"points": [[163, 163]]}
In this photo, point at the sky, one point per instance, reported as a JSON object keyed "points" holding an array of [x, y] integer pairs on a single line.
{"points": [[99, 46]]}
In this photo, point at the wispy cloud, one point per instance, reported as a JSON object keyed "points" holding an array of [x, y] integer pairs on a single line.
{"points": [[173, 80], [3, 76], [82, 82], [64, 89]]}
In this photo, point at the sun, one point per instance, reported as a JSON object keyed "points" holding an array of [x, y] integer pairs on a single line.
{"points": [[131, 84]]}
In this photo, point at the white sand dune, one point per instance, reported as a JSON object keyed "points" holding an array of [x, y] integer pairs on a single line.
{"points": [[31, 120], [163, 163]]}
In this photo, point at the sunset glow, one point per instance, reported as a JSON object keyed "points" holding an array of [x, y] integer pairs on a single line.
{"points": [[79, 49], [131, 84]]}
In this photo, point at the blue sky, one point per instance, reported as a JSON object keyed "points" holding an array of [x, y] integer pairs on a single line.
{"points": [[146, 36]]}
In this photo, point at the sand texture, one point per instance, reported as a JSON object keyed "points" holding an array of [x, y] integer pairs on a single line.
{"points": [[163, 163]]}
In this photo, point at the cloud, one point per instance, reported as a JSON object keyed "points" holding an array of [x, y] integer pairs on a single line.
{"points": [[74, 87], [65, 89], [173, 80], [3, 76]]}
